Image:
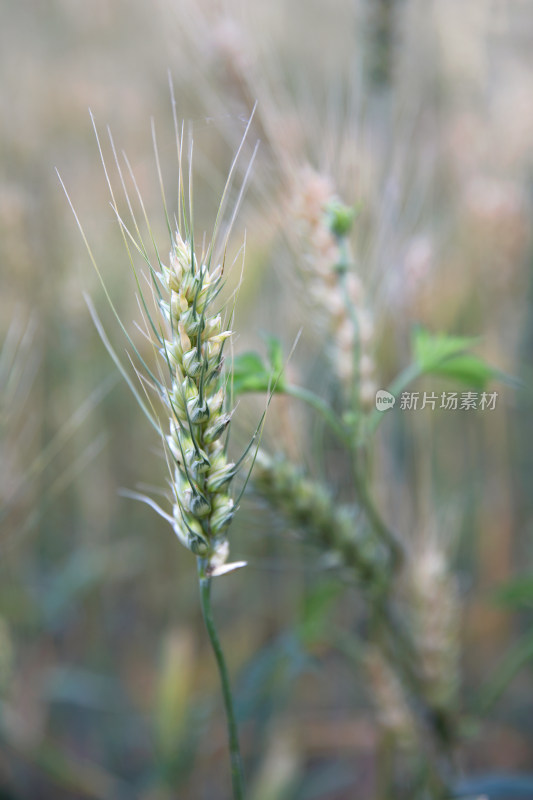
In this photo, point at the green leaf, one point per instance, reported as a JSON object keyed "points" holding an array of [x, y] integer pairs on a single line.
{"points": [[432, 349], [252, 374], [248, 374], [447, 356], [468, 369]]}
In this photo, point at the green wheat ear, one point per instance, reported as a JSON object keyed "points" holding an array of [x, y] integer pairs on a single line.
{"points": [[185, 392]]}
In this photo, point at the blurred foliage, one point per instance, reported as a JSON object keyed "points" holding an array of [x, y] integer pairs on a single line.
{"points": [[445, 355], [251, 374]]}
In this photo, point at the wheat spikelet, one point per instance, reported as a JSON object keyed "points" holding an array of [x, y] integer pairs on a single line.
{"points": [[331, 527], [203, 507], [391, 705]]}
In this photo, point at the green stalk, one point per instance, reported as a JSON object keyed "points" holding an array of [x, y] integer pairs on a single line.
{"points": [[237, 777], [399, 384], [319, 405], [343, 434], [387, 536]]}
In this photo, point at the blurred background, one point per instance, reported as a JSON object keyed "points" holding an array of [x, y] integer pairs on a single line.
{"points": [[421, 113]]}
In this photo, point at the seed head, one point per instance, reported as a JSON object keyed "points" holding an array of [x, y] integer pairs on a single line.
{"points": [[193, 351], [188, 336], [435, 609], [323, 225]]}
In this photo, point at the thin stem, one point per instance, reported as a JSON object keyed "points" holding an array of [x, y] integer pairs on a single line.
{"points": [[510, 665], [343, 435], [380, 528], [319, 405], [399, 384], [327, 413], [237, 777]]}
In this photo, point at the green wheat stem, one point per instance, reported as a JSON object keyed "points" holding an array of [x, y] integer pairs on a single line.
{"points": [[237, 777], [382, 531], [399, 384], [329, 416], [319, 405]]}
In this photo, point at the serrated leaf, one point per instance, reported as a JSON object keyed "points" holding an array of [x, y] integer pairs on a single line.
{"points": [[446, 356], [431, 348]]}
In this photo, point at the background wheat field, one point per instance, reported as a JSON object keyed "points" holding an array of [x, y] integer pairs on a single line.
{"points": [[420, 114]]}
